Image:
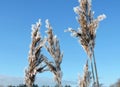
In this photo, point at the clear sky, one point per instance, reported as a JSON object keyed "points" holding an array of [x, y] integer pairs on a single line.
{"points": [[16, 17]]}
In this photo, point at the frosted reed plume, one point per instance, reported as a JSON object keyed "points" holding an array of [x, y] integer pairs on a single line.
{"points": [[35, 57], [86, 34], [53, 48], [85, 80], [88, 26]]}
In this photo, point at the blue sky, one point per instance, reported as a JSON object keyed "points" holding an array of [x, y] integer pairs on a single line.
{"points": [[16, 18]]}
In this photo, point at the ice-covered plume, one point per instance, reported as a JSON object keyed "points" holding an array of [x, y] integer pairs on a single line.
{"points": [[48, 24], [35, 57], [36, 27]]}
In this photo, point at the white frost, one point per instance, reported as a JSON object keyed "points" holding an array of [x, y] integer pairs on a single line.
{"points": [[101, 17], [76, 9], [47, 23]]}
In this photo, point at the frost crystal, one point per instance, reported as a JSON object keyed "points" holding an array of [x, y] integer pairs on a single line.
{"points": [[76, 9], [101, 17], [47, 23]]}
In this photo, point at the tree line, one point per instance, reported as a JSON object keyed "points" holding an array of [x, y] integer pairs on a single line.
{"points": [[35, 85]]}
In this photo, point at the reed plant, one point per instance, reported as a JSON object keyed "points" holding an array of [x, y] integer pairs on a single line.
{"points": [[38, 62], [86, 34], [35, 58], [53, 47], [86, 79]]}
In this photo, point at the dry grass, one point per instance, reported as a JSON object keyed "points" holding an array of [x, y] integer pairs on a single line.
{"points": [[38, 62], [85, 80], [86, 34], [53, 48], [87, 31], [35, 56]]}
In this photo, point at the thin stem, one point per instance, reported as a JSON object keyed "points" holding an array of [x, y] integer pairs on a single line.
{"points": [[95, 67], [93, 76]]}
